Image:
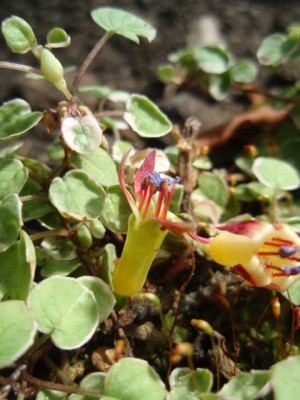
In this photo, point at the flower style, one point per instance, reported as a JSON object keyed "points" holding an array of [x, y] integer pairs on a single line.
{"points": [[266, 255], [148, 224]]}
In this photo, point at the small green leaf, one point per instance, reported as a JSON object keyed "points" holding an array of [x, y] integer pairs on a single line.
{"points": [[116, 210], [276, 48], [97, 228], [17, 331], [187, 384], [103, 294], [18, 34], [261, 191], [35, 208], [109, 257], [57, 38], [16, 118], [59, 248], [219, 86], [18, 268], [114, 123], [65, 309], [64, 196], [123, 23], [95, 380], [244, 72], [10, 220], [133, 379], [246, 385], [213, 187], [84, 236], [83, 134], [13, 176], [275, 173], [145, 118], [118, 149], [99, 165], [166, 73], [99, 91], [48, 394], [285, 378], [212, 59], [293, 293], [53, 267]]}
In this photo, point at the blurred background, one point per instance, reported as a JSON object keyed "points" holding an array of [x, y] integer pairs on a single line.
{"points": [[240, 25]]}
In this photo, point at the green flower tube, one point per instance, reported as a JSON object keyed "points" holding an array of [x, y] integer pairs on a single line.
{"points": [[142, 243]]}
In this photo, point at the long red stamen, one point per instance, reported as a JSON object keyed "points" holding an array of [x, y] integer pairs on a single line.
{"points": [[159, 203], [149, 194], [283, 240], [293, 258], [272, 244], [167, 203], [268, 253], [143, 197]]}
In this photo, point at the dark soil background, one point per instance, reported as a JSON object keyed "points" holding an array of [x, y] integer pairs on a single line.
{"points": [[124, 65]]}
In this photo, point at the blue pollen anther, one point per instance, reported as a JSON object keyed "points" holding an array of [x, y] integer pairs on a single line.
{"points": [[156, 179], [290, 270], [287, 251]]}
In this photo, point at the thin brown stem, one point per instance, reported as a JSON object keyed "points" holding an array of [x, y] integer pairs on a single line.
{"points": [[44, 234], [19, 67], [109, 113], [60, 387], [122, 335], [89, 60]]}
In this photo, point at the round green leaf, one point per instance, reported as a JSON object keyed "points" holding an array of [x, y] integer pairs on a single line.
{"points": [[275, 48], [53, 267], [285, 378], [133, 379], [85, 236], [186, 384], [219, 86], [13, 176], [57, 37], [145, 118], [16, 119], [95, 380], [213, 187], [99, 91], [48, 394], [166, 73], [82, 135], [212, 59], [116, 210], [17, 330], [99, 165], [118, 149], [275, 173], [103, 294], [66, 310], [10, 220], [18, 34], [123, 23], [244, 72], [108, 259], [77, 196], [293, 293], [97, 228], [246, 385], [18, 268]]}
